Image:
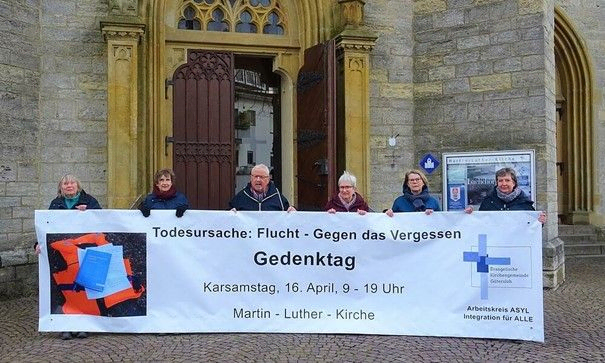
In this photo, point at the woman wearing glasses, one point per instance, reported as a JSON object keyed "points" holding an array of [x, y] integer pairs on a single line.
{"points": [[347, 199], [260, 194], [416, 197]]}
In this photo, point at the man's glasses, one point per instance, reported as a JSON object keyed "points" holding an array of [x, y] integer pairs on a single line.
{"points": [[260, 176]]}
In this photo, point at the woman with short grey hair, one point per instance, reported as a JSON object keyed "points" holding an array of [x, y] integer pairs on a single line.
{"points": [[347, 199]]}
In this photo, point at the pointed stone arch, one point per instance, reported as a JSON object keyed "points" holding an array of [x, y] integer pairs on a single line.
{"points": [[153, 35], [575, 112], [308, 22]]}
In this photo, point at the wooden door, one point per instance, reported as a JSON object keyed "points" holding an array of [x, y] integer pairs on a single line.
{"points": [[316, 127], [203, 128]]}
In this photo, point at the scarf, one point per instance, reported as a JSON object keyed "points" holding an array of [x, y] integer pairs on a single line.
{"points": [[507, 198], [170, 193], [70, 202], [417, 200], [349, 204]]}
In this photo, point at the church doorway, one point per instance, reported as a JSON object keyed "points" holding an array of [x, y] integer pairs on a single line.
{"points": [[226, 119]]}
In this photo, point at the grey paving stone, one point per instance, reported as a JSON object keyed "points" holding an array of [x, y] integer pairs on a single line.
{"points": [[574, 329]]}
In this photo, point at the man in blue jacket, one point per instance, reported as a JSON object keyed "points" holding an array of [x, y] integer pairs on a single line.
{"points": [[260, 194]]}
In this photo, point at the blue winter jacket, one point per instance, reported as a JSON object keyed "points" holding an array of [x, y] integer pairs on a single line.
{"points": [[404, 204], [152, 201], [245, 200]]}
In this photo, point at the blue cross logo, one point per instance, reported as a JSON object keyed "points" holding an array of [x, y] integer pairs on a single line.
{"points": [[483, 262]]}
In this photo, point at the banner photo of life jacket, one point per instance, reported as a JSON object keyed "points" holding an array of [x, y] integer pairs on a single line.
{"points": [[68, 297]]}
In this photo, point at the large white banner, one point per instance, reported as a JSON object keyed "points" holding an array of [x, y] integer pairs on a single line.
{"points": [[445, 274]]}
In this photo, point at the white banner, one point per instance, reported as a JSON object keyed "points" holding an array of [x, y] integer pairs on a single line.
{"points": [[447, 274]]}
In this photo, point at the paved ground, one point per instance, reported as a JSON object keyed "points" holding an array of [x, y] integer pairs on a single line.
{"points": [[574, 325]]}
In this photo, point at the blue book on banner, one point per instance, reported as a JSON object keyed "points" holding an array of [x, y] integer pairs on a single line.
{"points": [[93, 269]]}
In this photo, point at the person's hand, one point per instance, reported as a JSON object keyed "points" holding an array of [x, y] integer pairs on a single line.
{"points": [[331, 210], [291, 209], [180, 211], [468, 210], [37, 249], [542, 217], [361, 212], [389, 212], [146, 211], [428, 211], [233, 210], [81, 207]]}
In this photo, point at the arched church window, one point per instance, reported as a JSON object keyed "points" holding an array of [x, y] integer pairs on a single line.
{"points": [[237, 16], [218, 23], [189, 21], [273, 25], [245, 24]]}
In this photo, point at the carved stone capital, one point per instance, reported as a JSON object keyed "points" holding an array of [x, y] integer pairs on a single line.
{"points": [[117, 31], [359, 41]]}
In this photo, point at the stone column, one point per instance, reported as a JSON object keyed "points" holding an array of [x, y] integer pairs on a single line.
{"points": [[122, 111], [353, 47]]}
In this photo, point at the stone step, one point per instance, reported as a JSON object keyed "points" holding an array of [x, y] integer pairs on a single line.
{"points": [[570, 229], [585, 249], [586, 256], [580, 238]]}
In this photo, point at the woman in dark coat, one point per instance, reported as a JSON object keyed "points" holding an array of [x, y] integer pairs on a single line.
{"points": [[70, 195], [164, 195], [416, 197], [347, 199], [507, 195]]}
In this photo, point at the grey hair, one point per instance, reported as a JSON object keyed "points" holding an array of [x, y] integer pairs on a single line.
{"points": [[347, 177], [68, 177], [507, 171], [262, 167]]}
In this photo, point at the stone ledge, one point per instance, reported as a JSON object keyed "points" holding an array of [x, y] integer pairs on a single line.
{"points": [[13, 258], [553, 263]]}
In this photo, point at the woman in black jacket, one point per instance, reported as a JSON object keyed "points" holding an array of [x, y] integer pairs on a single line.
{"points": [[507, 195], [70, 195]]}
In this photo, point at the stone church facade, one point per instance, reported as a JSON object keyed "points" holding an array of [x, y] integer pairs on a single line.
{"points": [[88, 88]]}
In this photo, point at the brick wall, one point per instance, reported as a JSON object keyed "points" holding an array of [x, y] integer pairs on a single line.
{"points": [[73, 94], [480, 77], [391, 97], [52, 119], [19, 137]]}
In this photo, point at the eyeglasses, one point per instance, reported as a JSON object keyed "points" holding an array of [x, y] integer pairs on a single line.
{"points": [[345, 186], [260, 176]]}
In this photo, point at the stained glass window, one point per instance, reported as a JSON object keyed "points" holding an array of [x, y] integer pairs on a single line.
{"points": [[241, 16], [189, 21], [273, 26], [245, 24], [217, 24]]}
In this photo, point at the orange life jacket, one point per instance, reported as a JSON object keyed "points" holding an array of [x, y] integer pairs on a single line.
{"points": [[76, 300]]}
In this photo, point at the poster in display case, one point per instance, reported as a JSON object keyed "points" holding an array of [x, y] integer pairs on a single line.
{"points": [[470, 176]]}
